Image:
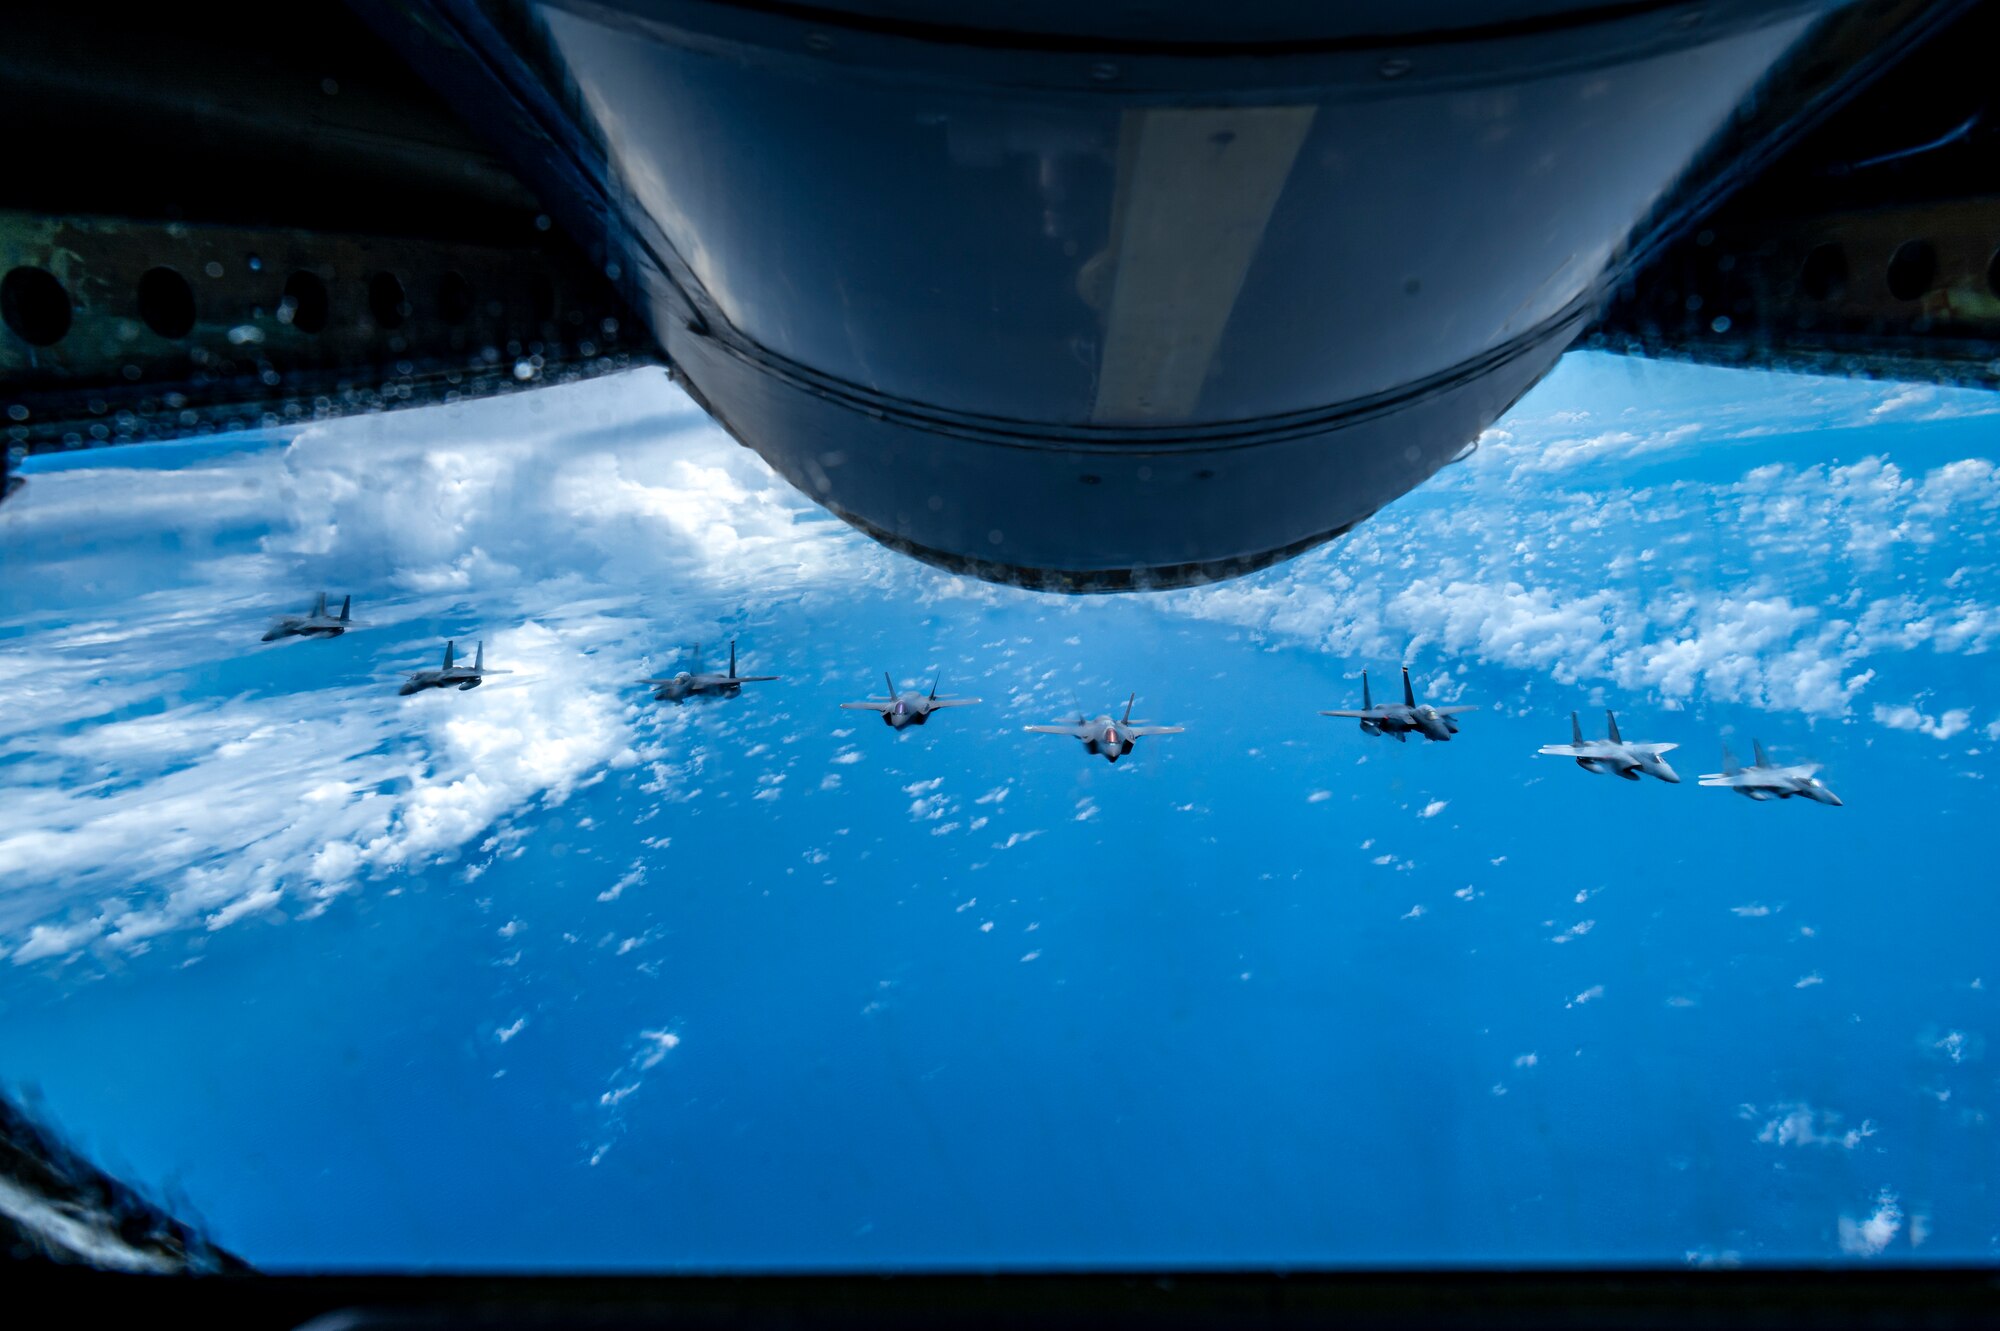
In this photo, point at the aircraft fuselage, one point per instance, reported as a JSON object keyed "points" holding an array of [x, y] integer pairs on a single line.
{"points": [[437, 679], [301, 629], [1108, 739], [683, 687], [1619, 761], [1402, 722], [905, 714]]}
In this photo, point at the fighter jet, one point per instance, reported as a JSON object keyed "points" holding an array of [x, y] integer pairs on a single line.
{"points": [[1613, 755], [1762, 781], [1111, 738], [1400, 719], [315, 624], [903, 710], [452, 675], [700, 684]]}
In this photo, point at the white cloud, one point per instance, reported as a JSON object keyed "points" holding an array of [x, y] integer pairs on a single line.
{"points": [[48, 940], [1802, 1125], [630, 878], [528, 521], [1868, 1236], [1906, 717], [654, 1046], [1433, 809]]}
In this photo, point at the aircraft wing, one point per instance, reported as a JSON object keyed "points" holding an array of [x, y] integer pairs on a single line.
{"points": [[1801, 771], [655, 683], [753, 679], [1072, 731], [1656, 748], [1154, 730], [1359, 716], [1749, 777], [1561, 750], [867, 706], [487, 670], [938, 704], [1456, 708]]}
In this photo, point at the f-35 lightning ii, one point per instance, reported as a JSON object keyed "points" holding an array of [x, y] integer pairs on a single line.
{"points": [[1613, 755], [1762, 781], [902, 710], [1111, 738], [452, 675], [702, 684], [1401, 719], [317, 623]]}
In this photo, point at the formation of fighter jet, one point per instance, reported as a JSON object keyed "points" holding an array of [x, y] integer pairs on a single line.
{"points": [[1613, 754], [316, 623], [900, 711], [702, 684], [453, 674], [1111, 738], [1404, 718], [1763, 781]]}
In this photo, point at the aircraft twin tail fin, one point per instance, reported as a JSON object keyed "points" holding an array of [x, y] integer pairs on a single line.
{"points": [[319, 606], [448, 647], [1409, 694], [1575, 730], [1611, 720], [1757, 749], [890, 680], [1366, 704], [346, 604], [1730, 767], [1128, 709], [732, 658], [935, 681], [479, 658]]}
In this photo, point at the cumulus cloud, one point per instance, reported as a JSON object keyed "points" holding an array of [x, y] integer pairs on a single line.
{"points": [[1907, 717], [138, 806], [1870, 1234], [1801, 1125], [1740, 591]]}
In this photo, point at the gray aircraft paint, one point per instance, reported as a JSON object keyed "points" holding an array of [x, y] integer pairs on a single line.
{"points": [[1762, 780], [315, 623], [1112, 739], [1406, 717], [901, 710], [1614, 754], [703, 684], [454, 674]]}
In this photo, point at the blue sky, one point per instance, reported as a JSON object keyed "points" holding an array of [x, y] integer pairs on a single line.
{"points": [[547, 974]]}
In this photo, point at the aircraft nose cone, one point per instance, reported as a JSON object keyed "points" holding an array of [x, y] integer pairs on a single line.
{"points": [[1834, 799], [1668, 774]]}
